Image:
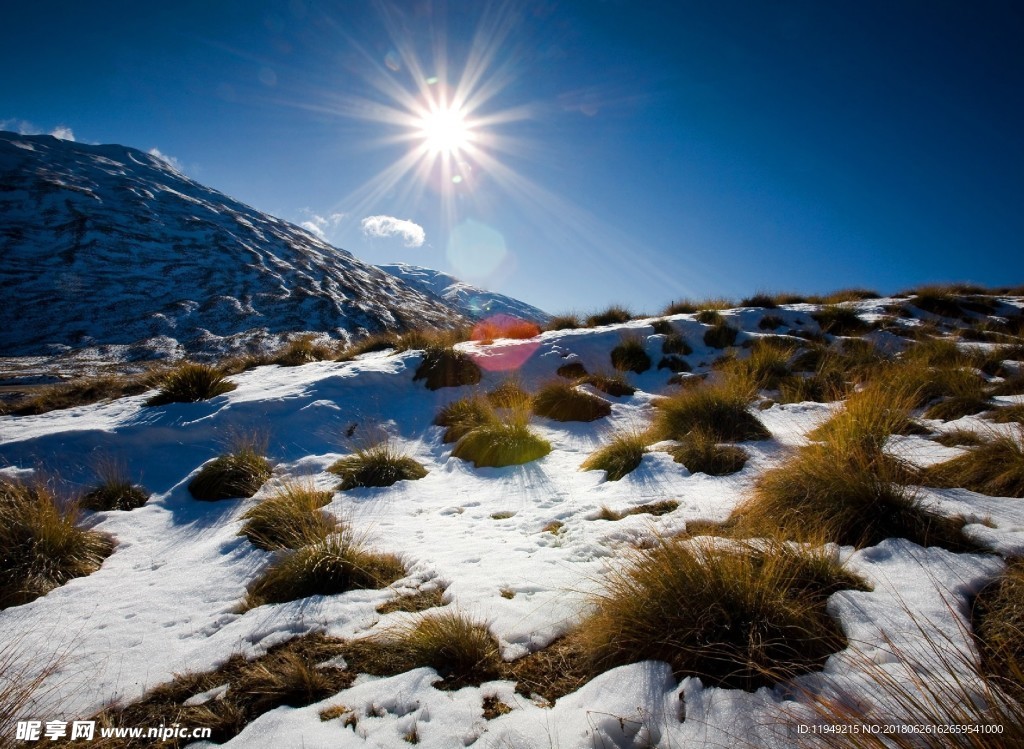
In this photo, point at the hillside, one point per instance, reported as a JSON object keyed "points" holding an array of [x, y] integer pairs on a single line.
{"points": [[541, 557], [107, 246]]}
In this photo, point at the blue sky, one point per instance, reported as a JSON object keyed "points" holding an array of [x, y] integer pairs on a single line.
{"points": [[629, 152]]}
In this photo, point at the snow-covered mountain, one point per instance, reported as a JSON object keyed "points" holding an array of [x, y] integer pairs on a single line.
{"points": [[472, 301], [107, 245]]}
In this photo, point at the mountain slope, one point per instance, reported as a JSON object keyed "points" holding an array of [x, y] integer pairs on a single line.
{"points": [[472, 301], [107, 245]]}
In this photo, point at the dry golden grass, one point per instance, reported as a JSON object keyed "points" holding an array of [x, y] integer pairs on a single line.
{"points": [[568, 321], [303, 350], [615, 385], [611, 316], [738, 617], [766, 366], [81, 393], [190, 382], [239, 473], [413, 603], [994, 467], [289, 518], [42, 548], [510, 393], [562, 401], [720, 335], [664, 507], [701, 452], [116, 491], [618, 458], [379, 464], [503, 326], [329, 566], [502, 441], [462, 416], [840, 321], [719, 410]]}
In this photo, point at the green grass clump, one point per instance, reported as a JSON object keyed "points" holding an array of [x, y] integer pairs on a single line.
{"points": [[240, 473], [613, 315], [736, 618], [288, 519], [720, 335], [630, 355], [700, 452], [41, 548], [718, 410], [836, 320], [619, 457], [189, 383], [562, 401], [444, 367], [461, 650], [380, 464], [995, 467], [502, 441], [329, 566], [464, 415]]}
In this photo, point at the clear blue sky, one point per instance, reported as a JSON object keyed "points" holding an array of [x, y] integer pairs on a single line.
{"points": [[630, 152]]}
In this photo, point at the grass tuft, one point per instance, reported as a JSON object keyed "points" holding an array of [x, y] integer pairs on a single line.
{"points": [[290, 518], [994, 467], [562, 401], [631, 355], [720, 335], [461, 650], [461, 416], [41, 548], [79, 393], [380, 464], [444, 367], [240, 473], [621, 456], [189, 383], [836, 320], [115, 491], [611, 316], [718, 410], [734, 617], [700, 452], [569, 321], [657, 509], [303, 350], [572, 370], [615, 385], [502, 441], [329, 566]]}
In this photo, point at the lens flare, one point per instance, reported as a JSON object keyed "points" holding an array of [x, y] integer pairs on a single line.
{"points": [[445, 131]]}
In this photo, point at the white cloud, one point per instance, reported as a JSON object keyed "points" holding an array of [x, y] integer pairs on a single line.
{"points": [[389, 226], [63, 132], [318, 225], [167, 159]]}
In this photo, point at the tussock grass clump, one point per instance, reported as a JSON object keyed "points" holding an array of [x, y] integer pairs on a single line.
{"points": [[562, 401], [240, 473], [461, 416], [819, 387], [836, 320], [189, 383], [720, 335], [1007, 414], [734, 617], [770, 322], [681, 307], [502, 441], [413, 603], [446, 367], [461, 650], [614, 385], [766, 367], [718, 410], [959, 438], [995, 467], [329, 566], [380, 464], [1012, 385], [870, 416], [700, 452], [674, 343], [621, 456], [289, 519], [571, 371], [766, 301], [998, 619], [569, 321], [849, 491], [849, 295], [41, 548], [303, 350], [114, 493], [939, 300], [631, 355], [662, 327], [709, 317], [510, 394], [674, 364], [611, 316]]}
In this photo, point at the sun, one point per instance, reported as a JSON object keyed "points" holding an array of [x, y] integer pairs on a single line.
{"points": [[445, 131]]}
